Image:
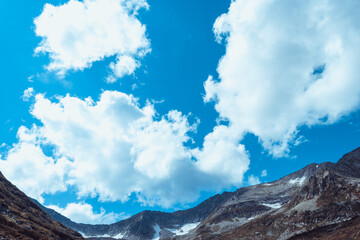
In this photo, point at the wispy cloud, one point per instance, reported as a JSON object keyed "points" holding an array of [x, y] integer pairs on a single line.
{"points": [[28, 93]]}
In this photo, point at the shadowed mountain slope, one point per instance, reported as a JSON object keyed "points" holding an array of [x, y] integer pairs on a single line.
{"points": [[21, 218]]}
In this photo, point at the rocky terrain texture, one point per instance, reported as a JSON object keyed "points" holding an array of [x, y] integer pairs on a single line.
{"points": [[143, 225], [320, 201], [21, 218]]}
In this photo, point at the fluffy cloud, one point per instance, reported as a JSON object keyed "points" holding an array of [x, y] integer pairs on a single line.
{"points": [[124, 65], [30, 169], [84, 213], [223, 156], [287, 64], [113, 148], [76, 34]]}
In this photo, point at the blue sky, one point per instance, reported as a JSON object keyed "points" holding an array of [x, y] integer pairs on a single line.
{"points": [[271, 111]]}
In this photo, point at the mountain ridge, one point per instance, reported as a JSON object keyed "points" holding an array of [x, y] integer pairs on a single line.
{"points": [[21, 218], [147, 219], [239, 214]]}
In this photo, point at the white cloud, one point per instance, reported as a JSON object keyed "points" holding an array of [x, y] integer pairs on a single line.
{"points": [[76, 34], [223, 157], [264, 173], [28, 93], [30, 169], [116, 148], [125, 65], [287, 64], [84, 213], [253, 180]]}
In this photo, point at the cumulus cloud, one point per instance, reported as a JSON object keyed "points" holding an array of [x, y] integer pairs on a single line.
{"points": [[264, 173], [124, 65], [84, 213], [287, 65], [113, 148], [30, 169], [223, 156], [79, 33]]}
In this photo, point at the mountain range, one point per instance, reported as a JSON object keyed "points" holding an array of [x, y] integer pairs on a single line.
{"points": [[320, 201]]}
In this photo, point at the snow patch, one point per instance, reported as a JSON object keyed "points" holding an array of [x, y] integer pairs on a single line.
{"points": [[82, 234], [120, 235], [184, 229], [157, 232], [94, 236], [105, 235], [272, 205], [298, 181]]}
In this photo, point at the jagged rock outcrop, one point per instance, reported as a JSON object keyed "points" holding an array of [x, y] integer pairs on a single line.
{"points": [[21, 218]]}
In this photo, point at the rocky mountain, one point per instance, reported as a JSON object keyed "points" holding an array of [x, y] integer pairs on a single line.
{"points": [[146, 224], [21, 218], [320, 201]]}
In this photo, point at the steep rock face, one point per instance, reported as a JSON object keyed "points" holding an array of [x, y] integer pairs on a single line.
{"points": [[349, 164], [21, 218]]}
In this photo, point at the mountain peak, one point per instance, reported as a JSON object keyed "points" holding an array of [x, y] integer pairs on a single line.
{"points": [[349, 164], [353, 155]]}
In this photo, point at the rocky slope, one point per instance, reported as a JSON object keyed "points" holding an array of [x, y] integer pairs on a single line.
{"points": [[144, 225], [320, 201], [20, 218]]}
